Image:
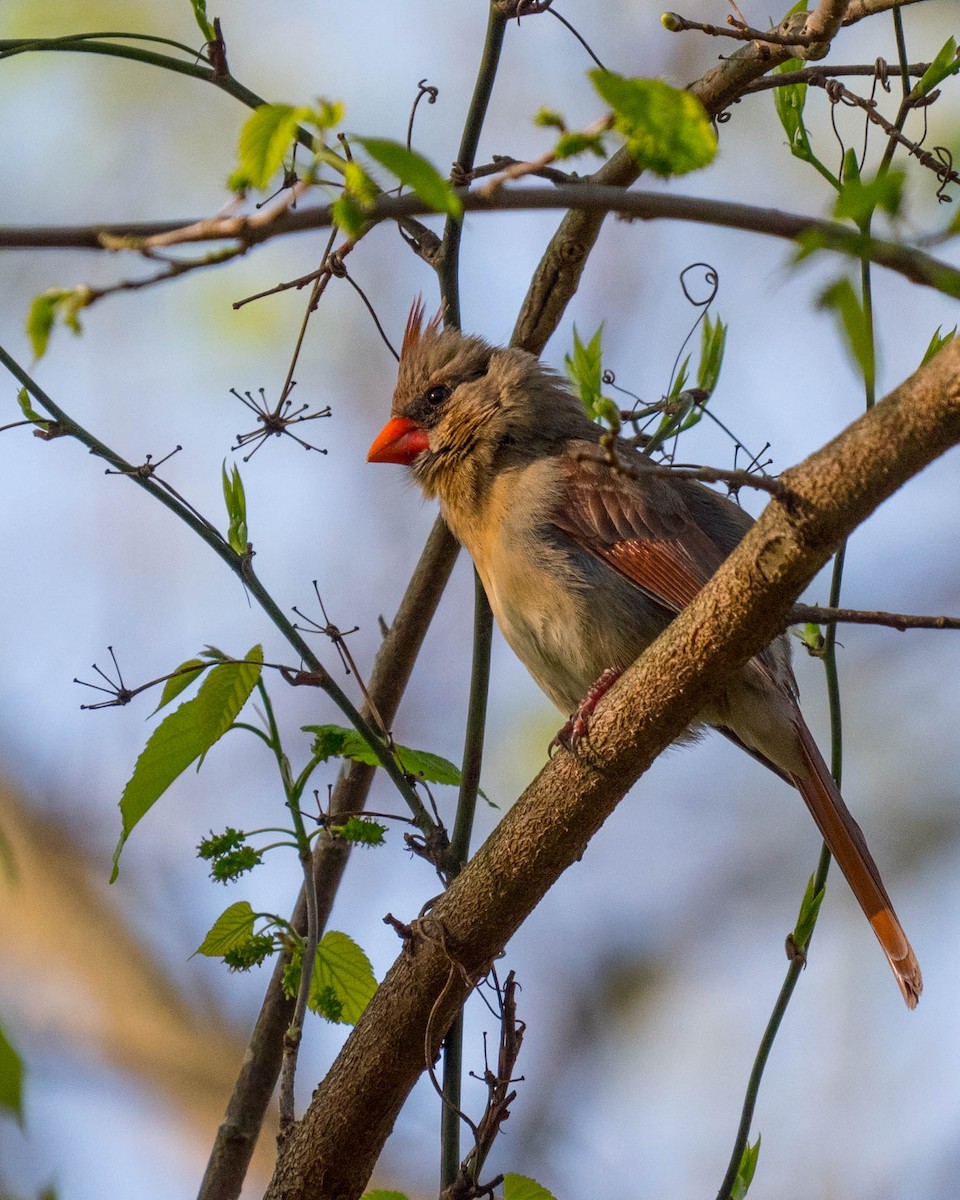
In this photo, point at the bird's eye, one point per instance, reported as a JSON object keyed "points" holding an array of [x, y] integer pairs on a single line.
{"points": [[437, 395]]}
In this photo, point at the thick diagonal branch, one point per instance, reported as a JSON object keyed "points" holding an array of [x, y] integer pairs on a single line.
{"points": [[333, 1149]]}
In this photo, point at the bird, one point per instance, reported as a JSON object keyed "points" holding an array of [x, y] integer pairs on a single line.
{"points": [[586, 555]]}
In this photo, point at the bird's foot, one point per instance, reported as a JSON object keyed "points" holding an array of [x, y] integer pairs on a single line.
{"points": [[576, 728]]}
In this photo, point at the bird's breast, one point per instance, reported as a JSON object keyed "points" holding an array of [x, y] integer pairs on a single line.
{"points": [[565, 614]]}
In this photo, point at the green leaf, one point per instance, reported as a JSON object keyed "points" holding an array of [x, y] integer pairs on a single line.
{"points": [[236, 502], [520, 1187], [200, 14], [667, 130], [943, 66], [807, 917], [812, 639], [415, 172], [29, 412], [265, 139], [183, 736], [341, 972], [713, 342], [232, 929], [349, 215], [584, 367], [746, 1170], [858, 200], [361, 831], [334, 741], [547, 118], [11, 1079], [327, 114], [64, 303], [380, 1194], [180, 679], [841, 297], [937, 343], [573, 143]]}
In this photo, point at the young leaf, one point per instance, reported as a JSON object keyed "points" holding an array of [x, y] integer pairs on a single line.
{"points": [[746, 1171], [349, 215], [943, 66], [11, 1079], [812, 639], [807, 918], [265, 139], [667, 130], [380, 1194], [359, 183], [29, 412], [236, 502], [584, 367], [181, 678], [230, 930], [937, 343], [841, 297], [183, 736], [334, 741], [713, 342], [341, 973], [64, 303], [200, 13], [520, 1187], [362, 831], [858, 200], [415, 172]]}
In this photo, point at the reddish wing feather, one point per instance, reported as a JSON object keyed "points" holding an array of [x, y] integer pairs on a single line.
{"points": [[643, 531]]}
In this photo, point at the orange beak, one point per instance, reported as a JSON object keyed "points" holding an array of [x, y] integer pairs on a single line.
{"points": [[399, 441]]}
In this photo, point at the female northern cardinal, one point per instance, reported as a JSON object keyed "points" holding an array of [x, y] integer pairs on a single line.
{"points": [[585, 564]]}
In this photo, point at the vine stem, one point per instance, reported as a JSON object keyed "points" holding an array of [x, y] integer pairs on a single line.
{"points": [[447, 266]]}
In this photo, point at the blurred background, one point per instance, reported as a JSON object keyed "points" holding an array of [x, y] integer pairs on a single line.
{"points": [[649, 971]]}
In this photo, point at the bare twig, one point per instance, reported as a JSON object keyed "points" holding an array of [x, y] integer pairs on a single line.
{"points": [[822, 615]]}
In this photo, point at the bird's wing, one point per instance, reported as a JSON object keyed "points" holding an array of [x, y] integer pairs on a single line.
{"points": [[641, 526]]}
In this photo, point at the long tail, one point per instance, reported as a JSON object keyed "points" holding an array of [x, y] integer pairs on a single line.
{"points": [[848, 846]]}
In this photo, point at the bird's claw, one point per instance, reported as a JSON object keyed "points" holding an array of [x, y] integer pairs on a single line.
{"points": [[578, 726]]}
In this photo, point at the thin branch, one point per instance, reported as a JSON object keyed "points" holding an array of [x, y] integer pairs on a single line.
{"points": [[816, 75], [241, 566], [587, 199], [826, 615], [238, 1132], [447, 259]]}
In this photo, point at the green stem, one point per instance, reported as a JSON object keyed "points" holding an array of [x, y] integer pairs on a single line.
{"points": [[448, 260], [457, 855], [240, 565], [448, 273], [831, 672], [80, 43], [459, 850]]}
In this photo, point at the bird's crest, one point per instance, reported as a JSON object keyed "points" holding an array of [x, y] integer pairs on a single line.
{"points": [[415, 330]]}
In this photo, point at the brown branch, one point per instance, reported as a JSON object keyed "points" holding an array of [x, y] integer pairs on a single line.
{"points": [[237, 1136], [335, 1146], [587, 202], [815, 75], [822, 615]]}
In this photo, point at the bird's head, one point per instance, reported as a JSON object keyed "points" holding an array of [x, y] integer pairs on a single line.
{"points": [[463, 410]]}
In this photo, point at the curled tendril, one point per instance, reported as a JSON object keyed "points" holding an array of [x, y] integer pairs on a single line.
{"points": [[424, 89], [945, 173], [710, 277]]}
